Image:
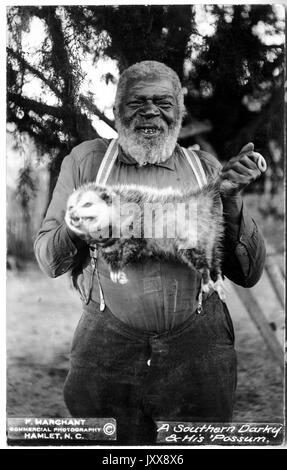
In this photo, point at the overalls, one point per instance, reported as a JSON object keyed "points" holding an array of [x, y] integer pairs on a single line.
{"points": [[183, 372]]}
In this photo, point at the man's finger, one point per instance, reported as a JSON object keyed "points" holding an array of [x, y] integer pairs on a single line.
{"points": [[259, 160], [247, 148], [234, 176], [250, 160]]}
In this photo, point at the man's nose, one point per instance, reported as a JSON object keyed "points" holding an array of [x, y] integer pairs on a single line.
{"points": [[149, 109]]}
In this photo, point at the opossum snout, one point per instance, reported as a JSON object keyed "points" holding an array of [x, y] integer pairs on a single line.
{"points": [[74, 218]]}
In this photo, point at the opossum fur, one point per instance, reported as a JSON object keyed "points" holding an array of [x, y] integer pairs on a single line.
{"points": [[93, 208]]}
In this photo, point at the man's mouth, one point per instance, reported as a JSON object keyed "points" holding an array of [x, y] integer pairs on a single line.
{"points": [[149, 131]]}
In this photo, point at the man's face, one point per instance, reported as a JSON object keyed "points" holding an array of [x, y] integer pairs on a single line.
{"points": [[149, 120]]}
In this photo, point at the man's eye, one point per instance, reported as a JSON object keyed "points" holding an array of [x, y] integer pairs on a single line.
{"points": [[164, 104], [134, 104]]}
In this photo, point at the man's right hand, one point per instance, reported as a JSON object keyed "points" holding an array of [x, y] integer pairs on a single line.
{"points": [[242, 169]]}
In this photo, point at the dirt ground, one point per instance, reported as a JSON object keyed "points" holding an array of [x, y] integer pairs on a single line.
{"points": [[42, 314]]}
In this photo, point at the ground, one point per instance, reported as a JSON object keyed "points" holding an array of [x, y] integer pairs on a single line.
{"points": [[42, 314]]}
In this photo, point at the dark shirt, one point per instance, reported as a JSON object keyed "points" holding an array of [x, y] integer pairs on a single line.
{"points": [[160, 294]]}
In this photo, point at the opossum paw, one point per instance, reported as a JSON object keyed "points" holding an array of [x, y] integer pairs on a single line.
{"points": [[118, 277], [220, 289]]}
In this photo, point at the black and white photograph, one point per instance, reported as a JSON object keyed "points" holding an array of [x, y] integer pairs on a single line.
{"points": [[145, 246]]}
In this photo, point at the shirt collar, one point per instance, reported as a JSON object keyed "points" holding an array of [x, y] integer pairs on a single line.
{"points": [[169, 163]]}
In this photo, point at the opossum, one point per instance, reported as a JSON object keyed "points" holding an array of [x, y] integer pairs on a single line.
{"points": [[119, 219]]}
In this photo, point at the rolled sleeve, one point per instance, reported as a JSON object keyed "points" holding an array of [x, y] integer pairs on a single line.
{"points": [[55, 250], [55, 245], [245, 252]]}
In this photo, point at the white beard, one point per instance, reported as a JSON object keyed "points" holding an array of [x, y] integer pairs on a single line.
{"points": [[148, 150]]}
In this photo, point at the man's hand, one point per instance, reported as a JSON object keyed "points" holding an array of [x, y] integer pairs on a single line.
{"points": [[77, 230], [242, 169]]}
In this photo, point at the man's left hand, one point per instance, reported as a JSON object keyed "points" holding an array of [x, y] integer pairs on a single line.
{"points": [[242, 169]]}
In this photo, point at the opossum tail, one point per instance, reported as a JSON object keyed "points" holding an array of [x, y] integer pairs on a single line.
{"points": [[217, 187], [225, 186], [220, 186]]}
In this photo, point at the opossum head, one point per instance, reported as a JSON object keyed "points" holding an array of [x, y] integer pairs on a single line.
{"points": [[95, 212], [89, 211]]}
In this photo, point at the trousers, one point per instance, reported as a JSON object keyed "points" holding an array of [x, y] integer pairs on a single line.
{"points": [[140, 377]]}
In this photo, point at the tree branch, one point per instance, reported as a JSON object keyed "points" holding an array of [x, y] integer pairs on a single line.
{"points": [[90, 106], [60, 57], [35, 71], [33, 105], [43, 138]]}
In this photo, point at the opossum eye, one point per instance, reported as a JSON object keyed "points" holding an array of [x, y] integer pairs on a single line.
{"points": [[87, 204], [106, 197]]}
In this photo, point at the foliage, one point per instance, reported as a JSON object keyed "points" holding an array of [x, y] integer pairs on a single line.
{"points": [[237, 80], [233, 77], [26, 188]]}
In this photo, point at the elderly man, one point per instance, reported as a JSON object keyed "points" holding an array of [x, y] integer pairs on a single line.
{"points": [[141, 353]]}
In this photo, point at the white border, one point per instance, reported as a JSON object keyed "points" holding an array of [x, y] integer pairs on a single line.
{"points": [[3, 7]]}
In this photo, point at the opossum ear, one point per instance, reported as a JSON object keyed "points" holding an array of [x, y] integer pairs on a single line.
{"points": [[106, 196]]}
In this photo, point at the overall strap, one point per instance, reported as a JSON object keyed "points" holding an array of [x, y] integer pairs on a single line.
{"points": [[102, 177], [200, 176], [196, 166], [107, 162]]}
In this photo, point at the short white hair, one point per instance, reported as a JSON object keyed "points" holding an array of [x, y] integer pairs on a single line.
{"points": [[149, 69]]}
